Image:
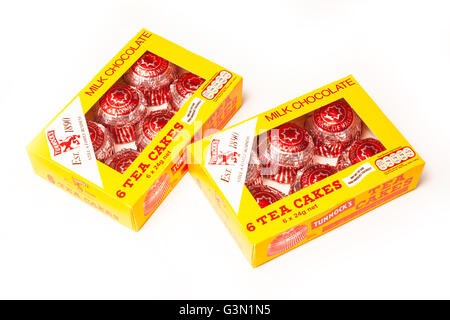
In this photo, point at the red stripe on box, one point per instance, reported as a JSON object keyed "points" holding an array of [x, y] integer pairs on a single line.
{"points": [[362, 210]]}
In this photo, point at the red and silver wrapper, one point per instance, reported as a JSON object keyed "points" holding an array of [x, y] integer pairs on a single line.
{"points": [[310, 175], [287, 146], [157, 99], [334, 127], [287, 240], [265, 195], [147, 129], [121, 105], [268, 168], [284, 175], [360, 150], [275, 172], [183, 88], [102, 141], [182, 70], [121, 160], [123, 134], [150, 71], [254, 171]]}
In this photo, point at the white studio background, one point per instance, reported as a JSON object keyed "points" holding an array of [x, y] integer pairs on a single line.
{"points": [[54, 246]]}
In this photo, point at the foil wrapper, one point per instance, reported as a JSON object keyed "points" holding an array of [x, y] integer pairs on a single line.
{"points": [[333, 128], [121, 160], [310, 175], [150, 71], [157, 99], [360, 150], [123, 134], [150, 126], [102, 140], [183, 88], [284, 175], [121, 105], [254, 170], [265, 195], [287, 146]]}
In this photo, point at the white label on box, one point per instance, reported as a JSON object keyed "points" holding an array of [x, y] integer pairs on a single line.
{"points": [[193, 109], [228, 158], [70, 145], [358, 174]]}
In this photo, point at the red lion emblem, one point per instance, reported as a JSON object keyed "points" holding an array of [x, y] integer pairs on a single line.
{"points": [[70, 143], [228, 158], [222, 158]]}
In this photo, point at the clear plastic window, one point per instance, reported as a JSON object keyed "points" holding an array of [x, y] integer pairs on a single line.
{"points": [[312, 147], [132, 112]]}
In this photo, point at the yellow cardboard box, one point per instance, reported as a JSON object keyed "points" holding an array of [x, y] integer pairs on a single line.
{"points": [[264, 233], [132, 196]]}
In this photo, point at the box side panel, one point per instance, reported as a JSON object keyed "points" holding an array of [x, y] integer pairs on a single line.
{"points": [[80, 189], [223, 210], [344, 212]]}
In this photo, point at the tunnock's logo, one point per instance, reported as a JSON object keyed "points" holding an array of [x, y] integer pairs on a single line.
{"points": [[63, 145], [225, 158]]}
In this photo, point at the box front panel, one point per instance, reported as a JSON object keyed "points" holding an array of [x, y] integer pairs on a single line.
{"points": [[342, 213]]}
